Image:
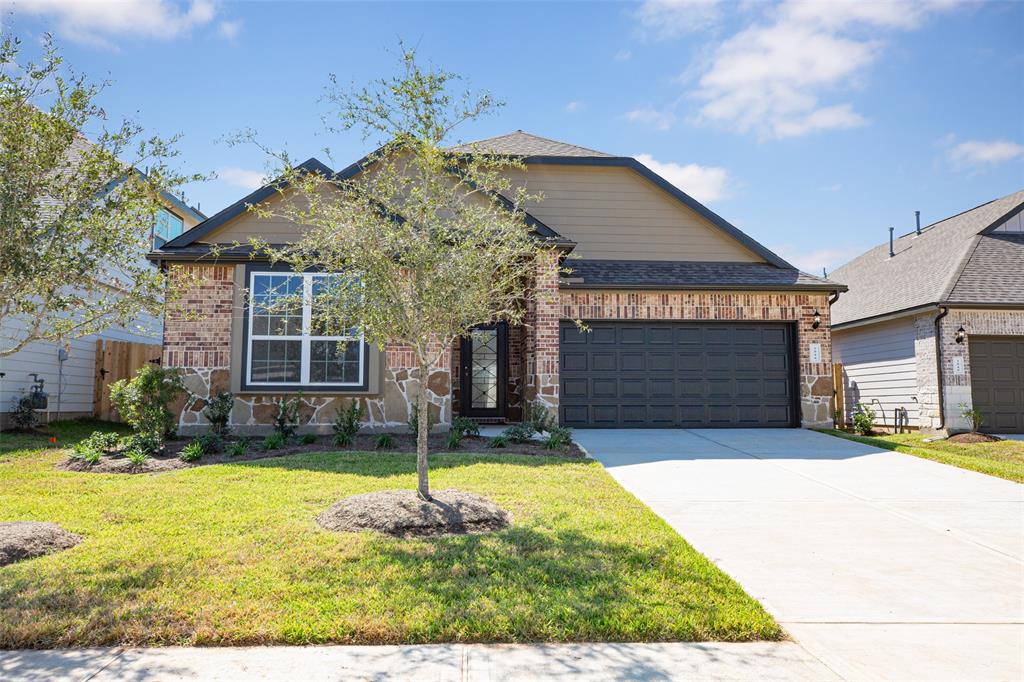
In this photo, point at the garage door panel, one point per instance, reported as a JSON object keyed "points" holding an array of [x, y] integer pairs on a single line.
{"points": [[678, 374], [997, 382], [574, 362]]}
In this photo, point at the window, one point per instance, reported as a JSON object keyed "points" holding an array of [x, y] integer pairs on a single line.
{"points": [[166, 227], [287, 345]]}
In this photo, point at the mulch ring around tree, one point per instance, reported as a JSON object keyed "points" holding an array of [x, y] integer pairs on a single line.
{"points": [[114, 462], [972, 438], [404, 514], [21, 540]]}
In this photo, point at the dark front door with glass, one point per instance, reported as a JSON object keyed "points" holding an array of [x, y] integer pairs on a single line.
{"points": [[483, 371]]}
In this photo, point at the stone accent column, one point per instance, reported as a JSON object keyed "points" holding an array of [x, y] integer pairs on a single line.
{"points": [[927, 373], [393, 408], [541, 343], [816, 385]]}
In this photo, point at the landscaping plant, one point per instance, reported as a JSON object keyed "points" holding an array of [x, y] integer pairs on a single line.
{"points": [[558, 438], [519, 433], [238, 448], [453, 441], [308, 438], [499, 441], [385, 441], [346, 423], [540, 418], [218, 412], [210, 442], [144, 401], [863, 419], [286, 419], [465, 426], [144, 442], [136, 456], [192, 452], [23, 414], [274, 441], [87, 452], [974, 417]]}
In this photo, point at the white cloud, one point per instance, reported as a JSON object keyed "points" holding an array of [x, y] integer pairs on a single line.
{"points": [[770, 77], [812, 261], [978, 152], [706, 184], [240, 177], [623, 55], [230, 29], [659, 120], [664, 19], [93, 21], [573, 106]]}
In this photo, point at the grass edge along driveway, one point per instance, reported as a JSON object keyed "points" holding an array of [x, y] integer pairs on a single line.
{"points": [[230, 554], [1004, 459]]}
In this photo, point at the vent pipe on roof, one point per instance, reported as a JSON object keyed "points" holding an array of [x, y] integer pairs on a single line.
{"points": [[917, 218], [891, 252]]}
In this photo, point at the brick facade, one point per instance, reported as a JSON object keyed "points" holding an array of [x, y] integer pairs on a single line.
{"points": [[541, 338]]}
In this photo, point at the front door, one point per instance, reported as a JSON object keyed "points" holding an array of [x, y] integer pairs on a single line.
{"points": [[483, 380]]}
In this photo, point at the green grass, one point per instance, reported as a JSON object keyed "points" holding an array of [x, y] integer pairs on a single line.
{"points": [[231, 554], [1004, 458]]}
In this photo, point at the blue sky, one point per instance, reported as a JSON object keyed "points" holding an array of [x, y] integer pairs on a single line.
{"points": [[811, 126]]}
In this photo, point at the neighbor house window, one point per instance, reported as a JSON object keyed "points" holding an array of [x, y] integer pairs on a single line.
{"points": [[287, 346], [166, 227]]}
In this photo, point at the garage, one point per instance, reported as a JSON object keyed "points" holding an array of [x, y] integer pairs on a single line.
{"points": [[997, 382], [643, 374]]}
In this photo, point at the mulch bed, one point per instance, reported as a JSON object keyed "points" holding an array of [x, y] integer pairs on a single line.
{"points": [[403, 514], [116, 463], [21, 540], [972, 438]]}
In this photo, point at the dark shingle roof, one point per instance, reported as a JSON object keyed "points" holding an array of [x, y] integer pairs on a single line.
{"points": [[689, 275], [924, 269], [525, 144], [994, 272]]}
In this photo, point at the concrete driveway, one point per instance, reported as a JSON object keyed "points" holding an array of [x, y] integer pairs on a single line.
{"points": [[883, 565]]}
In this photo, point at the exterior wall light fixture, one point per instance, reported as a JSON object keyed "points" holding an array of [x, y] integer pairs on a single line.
{"points": [[961, 334], [817, 320]]}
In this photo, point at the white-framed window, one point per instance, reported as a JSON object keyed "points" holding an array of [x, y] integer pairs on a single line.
{"points": [[286, 345]]}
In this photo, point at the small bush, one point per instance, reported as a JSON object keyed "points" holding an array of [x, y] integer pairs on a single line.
{"points": [[218, 412], [308, 438], [863, 419], [144, 442], [211, 442], [540, 418], [499, 441], [286, 419], [454, 440], [103, 441], [465, 426], [238, 448], [346, 423], [144, 401], [274, 441], [519, 433], [559, 438], [86, 452], [414, 420], [192, 452], [23, 414], [385, 441], [974, 417], [136, 457]]}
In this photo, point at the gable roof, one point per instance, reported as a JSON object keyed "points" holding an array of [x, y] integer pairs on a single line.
{"points": [[993, 273], [927, 269], [519, 143], [640, 274]]}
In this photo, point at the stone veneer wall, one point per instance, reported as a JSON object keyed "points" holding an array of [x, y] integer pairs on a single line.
{"points": [[199, 343], [815, 378], [956, 387]]}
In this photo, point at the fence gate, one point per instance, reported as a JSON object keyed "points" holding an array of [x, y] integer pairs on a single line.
{"points": [[117, 360]]}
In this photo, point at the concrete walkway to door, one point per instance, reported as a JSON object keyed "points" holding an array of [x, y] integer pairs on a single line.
{"points": [[883, 565]]}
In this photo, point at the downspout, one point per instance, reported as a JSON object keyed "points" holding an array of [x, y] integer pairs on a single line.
{"points": [[938, 365]]}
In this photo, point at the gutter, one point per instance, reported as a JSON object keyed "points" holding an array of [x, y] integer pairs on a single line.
{"points": [[938, 366]]}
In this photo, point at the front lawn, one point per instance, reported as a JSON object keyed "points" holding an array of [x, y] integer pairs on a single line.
{"points": [[1004, 458], [231, 554]]}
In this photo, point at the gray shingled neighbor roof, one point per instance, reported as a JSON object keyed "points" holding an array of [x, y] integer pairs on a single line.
{"points": [[994, 272], [591, 274], [926, 269], [525, 144]]}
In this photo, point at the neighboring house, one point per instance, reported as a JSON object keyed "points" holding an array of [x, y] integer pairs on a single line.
{"points": [[939, 321], [692, 322], [69, 369]]}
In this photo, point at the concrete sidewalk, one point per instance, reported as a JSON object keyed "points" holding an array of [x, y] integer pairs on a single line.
{"points": [[436, 663]]}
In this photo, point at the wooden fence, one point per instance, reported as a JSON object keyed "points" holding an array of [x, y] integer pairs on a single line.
{"points": [[838, 394], [117, 360]]}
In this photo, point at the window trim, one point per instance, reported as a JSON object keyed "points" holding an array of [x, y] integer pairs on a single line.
{"points": [[362, 385]]}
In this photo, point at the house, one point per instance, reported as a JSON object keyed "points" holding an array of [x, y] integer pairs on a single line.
{"points": [[68, 370], [692, 323], [935, 319]]}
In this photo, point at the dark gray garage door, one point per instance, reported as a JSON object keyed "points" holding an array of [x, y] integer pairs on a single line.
{"points": [[677, 374], [997, 382]]}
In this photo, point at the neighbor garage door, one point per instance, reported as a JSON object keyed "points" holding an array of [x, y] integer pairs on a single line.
{"points": [[997, 382], [677, 374]]}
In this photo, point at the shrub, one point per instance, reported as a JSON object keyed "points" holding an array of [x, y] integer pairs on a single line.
{"points": [[143, 402], [454, 440], [23, 414], [274, 441], [86, 452], [286, 419], [863, 419], [414, 420], [559, 438], [144, 442], [238, 448], [465, 426], [499, 441], [103, 441], [192, 452], [519, 433], [136, 456], [218, 412], [973, 416], [539, 418], [211, 442], [385, 441], [308, 438], [346, 423]]}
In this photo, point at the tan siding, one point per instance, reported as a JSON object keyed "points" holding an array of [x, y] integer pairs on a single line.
{"points": [[274, 229], [615, 213]]}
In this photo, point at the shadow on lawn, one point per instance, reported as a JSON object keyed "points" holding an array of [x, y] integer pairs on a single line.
{"points": [[396, 463]]}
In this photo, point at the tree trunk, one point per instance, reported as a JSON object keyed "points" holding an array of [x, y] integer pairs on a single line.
{"points": [[422, 433]]}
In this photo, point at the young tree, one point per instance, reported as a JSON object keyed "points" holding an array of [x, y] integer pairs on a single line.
{"points": [[75, 218], [427, 243]]}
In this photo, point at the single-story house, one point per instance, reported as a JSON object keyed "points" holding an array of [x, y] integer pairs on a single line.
{"points": [[692, 323], [935, 319]]}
